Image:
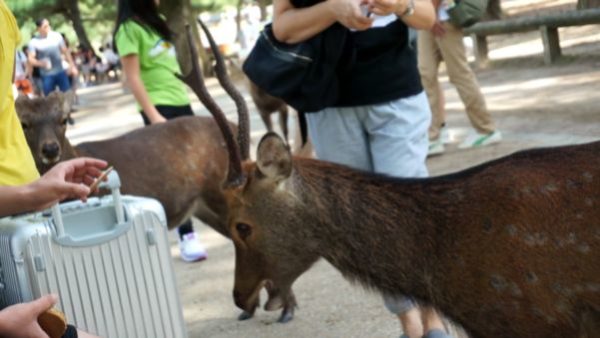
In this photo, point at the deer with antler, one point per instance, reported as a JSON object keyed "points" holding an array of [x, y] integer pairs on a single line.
{"points": [[510, 248], [180, 163]]}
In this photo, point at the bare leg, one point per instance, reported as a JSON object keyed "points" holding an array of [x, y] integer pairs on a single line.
{"points": [[411, 323]]}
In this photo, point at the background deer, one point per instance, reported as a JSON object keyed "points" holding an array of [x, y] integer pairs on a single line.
{"points": [[510, 248], [267, 105]]}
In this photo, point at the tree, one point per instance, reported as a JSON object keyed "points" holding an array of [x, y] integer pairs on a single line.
{"points": [[179, 13], [74, 14]]}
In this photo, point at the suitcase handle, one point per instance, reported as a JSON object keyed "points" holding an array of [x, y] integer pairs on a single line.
{"points": [[120, 226]]}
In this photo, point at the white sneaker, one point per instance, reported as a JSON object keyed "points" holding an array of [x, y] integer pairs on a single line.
{"points": [[474, 140], [436, 147], [190, 248], [445, 135]]}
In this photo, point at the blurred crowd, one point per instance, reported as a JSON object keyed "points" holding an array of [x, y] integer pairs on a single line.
{"points": [[49, 61]]}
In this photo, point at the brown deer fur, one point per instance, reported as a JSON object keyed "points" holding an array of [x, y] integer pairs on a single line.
{"points": [[181, 163], [510, 248]]}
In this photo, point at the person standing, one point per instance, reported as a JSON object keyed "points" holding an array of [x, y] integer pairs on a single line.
{"points": [[44, 51], [143, 41], [379, 122], [444, 42]]}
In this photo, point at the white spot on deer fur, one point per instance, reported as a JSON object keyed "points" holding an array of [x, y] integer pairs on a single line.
{"points": [[549, 188], [534, 239], [511, 229], [583, 248], [593, 287]]}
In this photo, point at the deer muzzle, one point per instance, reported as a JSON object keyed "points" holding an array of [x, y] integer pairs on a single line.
{"points": [[248, 301], [50, 152]]}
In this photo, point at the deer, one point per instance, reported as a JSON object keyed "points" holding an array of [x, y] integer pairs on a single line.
{"points": [[180, 162], [508, 248], [267, 105]]}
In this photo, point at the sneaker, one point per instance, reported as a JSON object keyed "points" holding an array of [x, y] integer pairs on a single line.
{"points": [[479, 140], [436, 147], [445, 135], [190, 248]]}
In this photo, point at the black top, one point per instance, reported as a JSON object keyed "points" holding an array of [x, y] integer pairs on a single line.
{"points": [[381, 66]]}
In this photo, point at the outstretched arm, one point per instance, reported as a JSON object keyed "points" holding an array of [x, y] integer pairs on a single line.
{"points": [[69, 179]]}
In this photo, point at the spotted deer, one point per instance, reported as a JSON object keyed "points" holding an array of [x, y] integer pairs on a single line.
{"points": [[509, 248]]}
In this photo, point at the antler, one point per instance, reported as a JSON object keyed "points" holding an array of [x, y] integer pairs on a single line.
{"points": [[240, 103], [195, 80]]}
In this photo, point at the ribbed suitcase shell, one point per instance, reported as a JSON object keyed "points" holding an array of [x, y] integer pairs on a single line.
{"points": [[112, 282]]}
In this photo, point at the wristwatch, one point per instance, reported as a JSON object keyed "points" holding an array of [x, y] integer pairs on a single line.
{"points": [[410, 9]]}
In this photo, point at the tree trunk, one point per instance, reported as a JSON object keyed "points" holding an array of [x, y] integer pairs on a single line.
{"points": [[179, 13], [493, 10], [238, 19], [586, 4], [262, 4], [74, 15]]}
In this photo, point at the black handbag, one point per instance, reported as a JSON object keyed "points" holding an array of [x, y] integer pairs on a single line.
{"points": [[304, 75]]}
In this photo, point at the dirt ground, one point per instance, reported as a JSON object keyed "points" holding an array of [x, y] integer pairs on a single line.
{"points": [[532, 104]]}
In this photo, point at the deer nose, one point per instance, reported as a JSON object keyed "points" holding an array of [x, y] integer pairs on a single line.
{"points": [[50, 150]]}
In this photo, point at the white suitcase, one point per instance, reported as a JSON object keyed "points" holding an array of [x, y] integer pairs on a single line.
{"points": [[108, 260]]}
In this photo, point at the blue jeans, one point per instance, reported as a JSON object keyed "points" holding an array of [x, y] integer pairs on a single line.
{"points": [[389, 138], [51, 81]]}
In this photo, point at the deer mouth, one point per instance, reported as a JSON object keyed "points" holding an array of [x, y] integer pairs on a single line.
{"points": [[250, 303], [50, 160]]}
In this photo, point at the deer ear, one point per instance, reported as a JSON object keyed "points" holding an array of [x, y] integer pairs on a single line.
{"points": [[274, 159]]}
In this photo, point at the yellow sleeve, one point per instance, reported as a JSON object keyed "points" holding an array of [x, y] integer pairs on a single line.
{"points": [[16, 162]]}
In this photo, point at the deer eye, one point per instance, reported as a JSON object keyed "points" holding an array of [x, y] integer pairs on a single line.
{"points": [[24, 125], [244, 230], [64, 121]]}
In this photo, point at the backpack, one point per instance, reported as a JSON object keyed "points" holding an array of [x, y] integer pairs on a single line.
{"points": [[466, 13]]}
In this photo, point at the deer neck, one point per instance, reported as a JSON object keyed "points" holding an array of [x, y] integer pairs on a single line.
{"points": [[68, 151], [362, 222]]}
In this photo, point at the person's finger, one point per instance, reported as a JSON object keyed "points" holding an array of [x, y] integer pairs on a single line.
{"points": [[44, 303], [95, 162], [78, 190]]}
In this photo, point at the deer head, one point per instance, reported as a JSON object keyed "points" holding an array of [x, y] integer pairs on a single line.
{"points": [[44, 121]]}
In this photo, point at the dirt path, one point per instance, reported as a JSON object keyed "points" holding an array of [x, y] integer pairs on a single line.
{"points": [[533, 104]]}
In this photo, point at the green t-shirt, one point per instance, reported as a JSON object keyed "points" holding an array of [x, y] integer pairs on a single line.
{"points": [[158, 63]]}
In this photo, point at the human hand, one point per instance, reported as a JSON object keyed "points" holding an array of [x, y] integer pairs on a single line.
{"points": [[74, 71], [386, 7], [349, 14], [68, 179], [157, 119], [438, 29], [20, 320]]}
